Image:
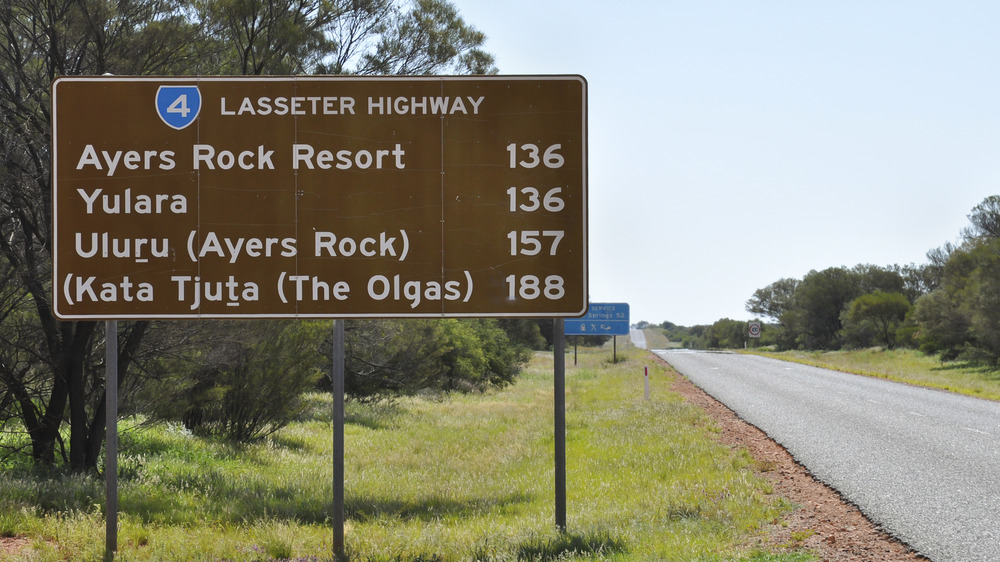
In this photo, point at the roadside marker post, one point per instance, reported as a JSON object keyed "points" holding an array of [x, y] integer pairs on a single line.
{"points": [[646, 377]]}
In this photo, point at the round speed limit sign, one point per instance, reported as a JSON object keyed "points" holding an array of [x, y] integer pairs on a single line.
{"points": [[754, 329]]}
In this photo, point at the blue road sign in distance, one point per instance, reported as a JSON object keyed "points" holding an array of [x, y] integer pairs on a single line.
{"points": [[602, 319]]}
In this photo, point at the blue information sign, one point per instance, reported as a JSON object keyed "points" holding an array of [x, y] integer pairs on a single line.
{"points": [[602, 319]]}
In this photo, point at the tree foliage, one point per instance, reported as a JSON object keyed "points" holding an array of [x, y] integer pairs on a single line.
{"points": [[722, 334], [944, 329], [390, 358], [985, 219], [774, 300], [962, 317], [836, 306], [726, 333], [874, 317]]}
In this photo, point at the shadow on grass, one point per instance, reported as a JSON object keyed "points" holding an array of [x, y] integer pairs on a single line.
{"points": [[188, 447], [971, 368], [397, 558], [215, 496], [382, 415], [295, 444], [429, 508], [566, 545], [960, 366]]}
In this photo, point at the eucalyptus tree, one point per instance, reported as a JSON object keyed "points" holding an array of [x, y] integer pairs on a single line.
{"points": [[985, 219], [774, 300], [880, 313], [365, 37], [49, 367], [41, 40]]}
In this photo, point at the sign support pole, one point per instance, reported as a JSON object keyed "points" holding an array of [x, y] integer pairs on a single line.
{"points": [[338, 439], [559, 353], [111, 438]]}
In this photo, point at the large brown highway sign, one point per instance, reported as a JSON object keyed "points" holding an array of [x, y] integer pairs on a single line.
{"points": [[182, 197]]}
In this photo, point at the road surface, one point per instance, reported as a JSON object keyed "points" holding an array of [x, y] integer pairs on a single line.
{"points": [[924, 464], [638, 338]]}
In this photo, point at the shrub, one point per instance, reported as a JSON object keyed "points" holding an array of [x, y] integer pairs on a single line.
{"points": [[246, 380]]}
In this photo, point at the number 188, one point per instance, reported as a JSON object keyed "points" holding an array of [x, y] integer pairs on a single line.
{"points": [[530, 287]]}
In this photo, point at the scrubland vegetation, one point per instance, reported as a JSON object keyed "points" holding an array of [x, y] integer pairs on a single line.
{"points": [[461, 477]]}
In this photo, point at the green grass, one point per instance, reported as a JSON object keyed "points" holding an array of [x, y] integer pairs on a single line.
{"points": [[904, 365], [466, 478]]}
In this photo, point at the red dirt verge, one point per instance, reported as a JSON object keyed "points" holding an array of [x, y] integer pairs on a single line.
{"points": [[9, 546]]}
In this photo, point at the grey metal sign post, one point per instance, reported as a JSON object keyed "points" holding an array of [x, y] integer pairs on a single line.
{"points": [[338, 438], [111, 438], [559, 359]]}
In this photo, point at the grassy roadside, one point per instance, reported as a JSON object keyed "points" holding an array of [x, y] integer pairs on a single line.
{"points": [[467, 478], [903, 365]]}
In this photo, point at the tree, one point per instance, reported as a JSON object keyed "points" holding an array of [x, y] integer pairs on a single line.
{"points": [[525, 332], [42, 40], [872, 278], [429, 39], [943, 327], [985, 219], [257, 37], [937, 259], [774, 300], [383, 37], [727, 334], [390, 358], [918, 280], [880, 311], [57, 366], [820, 300], [981, 300], [944, 315]]}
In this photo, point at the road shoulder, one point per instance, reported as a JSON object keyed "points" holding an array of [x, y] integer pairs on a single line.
{"points": [[824, 522]]}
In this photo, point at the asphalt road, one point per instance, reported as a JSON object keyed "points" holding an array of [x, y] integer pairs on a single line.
{"points": [[923, 464], [638, 338]]}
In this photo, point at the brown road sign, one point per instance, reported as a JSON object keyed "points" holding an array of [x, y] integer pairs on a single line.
{"points": [[181, 197]]}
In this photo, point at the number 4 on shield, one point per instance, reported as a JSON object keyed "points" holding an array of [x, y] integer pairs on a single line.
{"points": [[178, 106]]}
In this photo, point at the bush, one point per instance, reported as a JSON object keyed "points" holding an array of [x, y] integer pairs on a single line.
{"points": [[246, 380], [389, 358]]}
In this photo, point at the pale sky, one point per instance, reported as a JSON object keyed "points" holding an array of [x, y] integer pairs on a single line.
{"points": [[735, 143]]}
